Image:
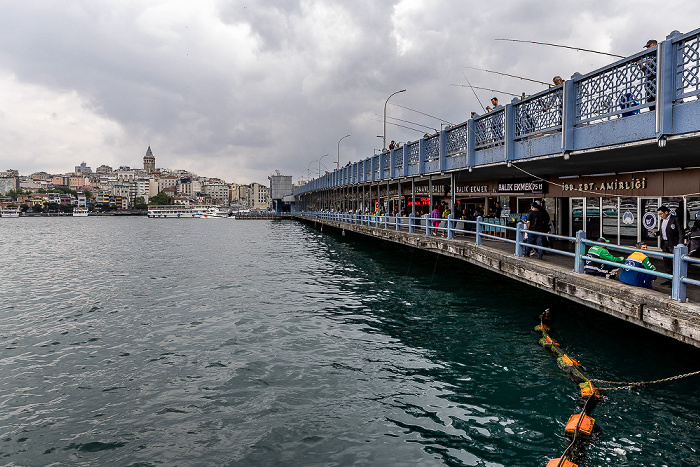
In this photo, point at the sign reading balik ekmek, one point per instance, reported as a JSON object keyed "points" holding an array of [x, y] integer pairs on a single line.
{"points": [[532, 186]]}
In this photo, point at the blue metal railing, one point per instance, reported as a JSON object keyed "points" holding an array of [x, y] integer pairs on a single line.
{"points": [[622, 89], [483, 228]]}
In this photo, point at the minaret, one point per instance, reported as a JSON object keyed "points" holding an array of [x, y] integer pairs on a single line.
{"points": [[149, 161]]}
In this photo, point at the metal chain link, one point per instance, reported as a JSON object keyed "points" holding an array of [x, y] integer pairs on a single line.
{"points": [[627, 385]]}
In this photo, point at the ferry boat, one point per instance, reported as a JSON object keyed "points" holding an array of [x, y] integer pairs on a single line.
{"points": [[174, 211], [9, 211], [80, 212]]}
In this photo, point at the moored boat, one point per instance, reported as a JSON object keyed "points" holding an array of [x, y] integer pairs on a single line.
{"points": [[174, 212], [9, 211], [80, 212], [212, 212]]}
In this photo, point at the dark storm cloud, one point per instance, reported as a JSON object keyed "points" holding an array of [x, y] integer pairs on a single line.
{"points": [[250, 87]]}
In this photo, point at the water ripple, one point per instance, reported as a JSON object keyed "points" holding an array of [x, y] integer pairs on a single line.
{"points": [[270, 343]]}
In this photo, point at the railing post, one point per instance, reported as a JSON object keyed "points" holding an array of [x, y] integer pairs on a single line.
{"points": [[442, 139], [411, 225], [680, 271], [427, 224], [479, 229], [580, 251], [471, 144], [519, 239], [450, 226], [568, 114], [665, 86], [392, 163], [509, 134], [397, 219], [386, 220], [404, 154]]}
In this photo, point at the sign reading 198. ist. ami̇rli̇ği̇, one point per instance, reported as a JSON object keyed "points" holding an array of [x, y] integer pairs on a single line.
{"points": [[617, 184]]}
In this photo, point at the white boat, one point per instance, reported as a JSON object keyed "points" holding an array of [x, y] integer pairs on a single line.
{"points": [[9, 211], [174, 212], [213, 212], [80, 212]]}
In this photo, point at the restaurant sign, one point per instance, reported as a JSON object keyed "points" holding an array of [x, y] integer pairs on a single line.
{"points": [[534, 186]]}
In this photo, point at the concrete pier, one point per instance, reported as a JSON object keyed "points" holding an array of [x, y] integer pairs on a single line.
{"points": [[651, 309]]}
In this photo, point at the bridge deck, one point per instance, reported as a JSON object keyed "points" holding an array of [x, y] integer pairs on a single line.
{"points": [[652, 309]]}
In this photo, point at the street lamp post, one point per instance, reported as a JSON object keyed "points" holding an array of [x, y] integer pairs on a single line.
{"points": [[319, 165], [337, 164], [308, 170], [385, 103]]}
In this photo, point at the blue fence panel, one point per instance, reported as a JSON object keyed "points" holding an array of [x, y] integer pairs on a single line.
{"points": [[539, 113], [432, 148], [622, 88], [457, 140], [398, 160], [687, 49], [413, 158], [489, 129], [386, 164]]}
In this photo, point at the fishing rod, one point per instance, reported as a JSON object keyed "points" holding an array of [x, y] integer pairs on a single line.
{"points": [[477, 97], [562, 46], [487, 89], [404, 126], [407, 121], [512, 76], [422, 113]]}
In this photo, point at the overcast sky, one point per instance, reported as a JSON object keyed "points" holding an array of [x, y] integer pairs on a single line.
{"points": [[238, 89]]}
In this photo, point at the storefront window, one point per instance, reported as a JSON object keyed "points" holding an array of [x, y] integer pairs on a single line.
{"points": [[650, 220], [629, 221], [576, 215], [692, 206], [675, 204], [610, 219], [592, 217]]}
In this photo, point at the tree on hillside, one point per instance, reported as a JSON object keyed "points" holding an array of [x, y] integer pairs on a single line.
{"points": [[87, 193], [160, 199], [140, 203], [14, 193]]}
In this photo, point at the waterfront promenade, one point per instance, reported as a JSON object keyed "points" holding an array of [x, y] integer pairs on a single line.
{"points": [[651, 309]]}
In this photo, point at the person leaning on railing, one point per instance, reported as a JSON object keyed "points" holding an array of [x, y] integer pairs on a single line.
{"points": [[639, 260], [600, 252]]}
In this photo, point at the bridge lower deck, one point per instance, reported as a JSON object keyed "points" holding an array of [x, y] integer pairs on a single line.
{"points": [[652, 309]]}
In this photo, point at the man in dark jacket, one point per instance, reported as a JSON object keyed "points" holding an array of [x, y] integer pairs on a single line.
{"points": [[671, 232], [537, 221]]}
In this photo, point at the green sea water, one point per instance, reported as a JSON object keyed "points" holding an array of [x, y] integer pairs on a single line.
{"points": [[187, 342]]}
